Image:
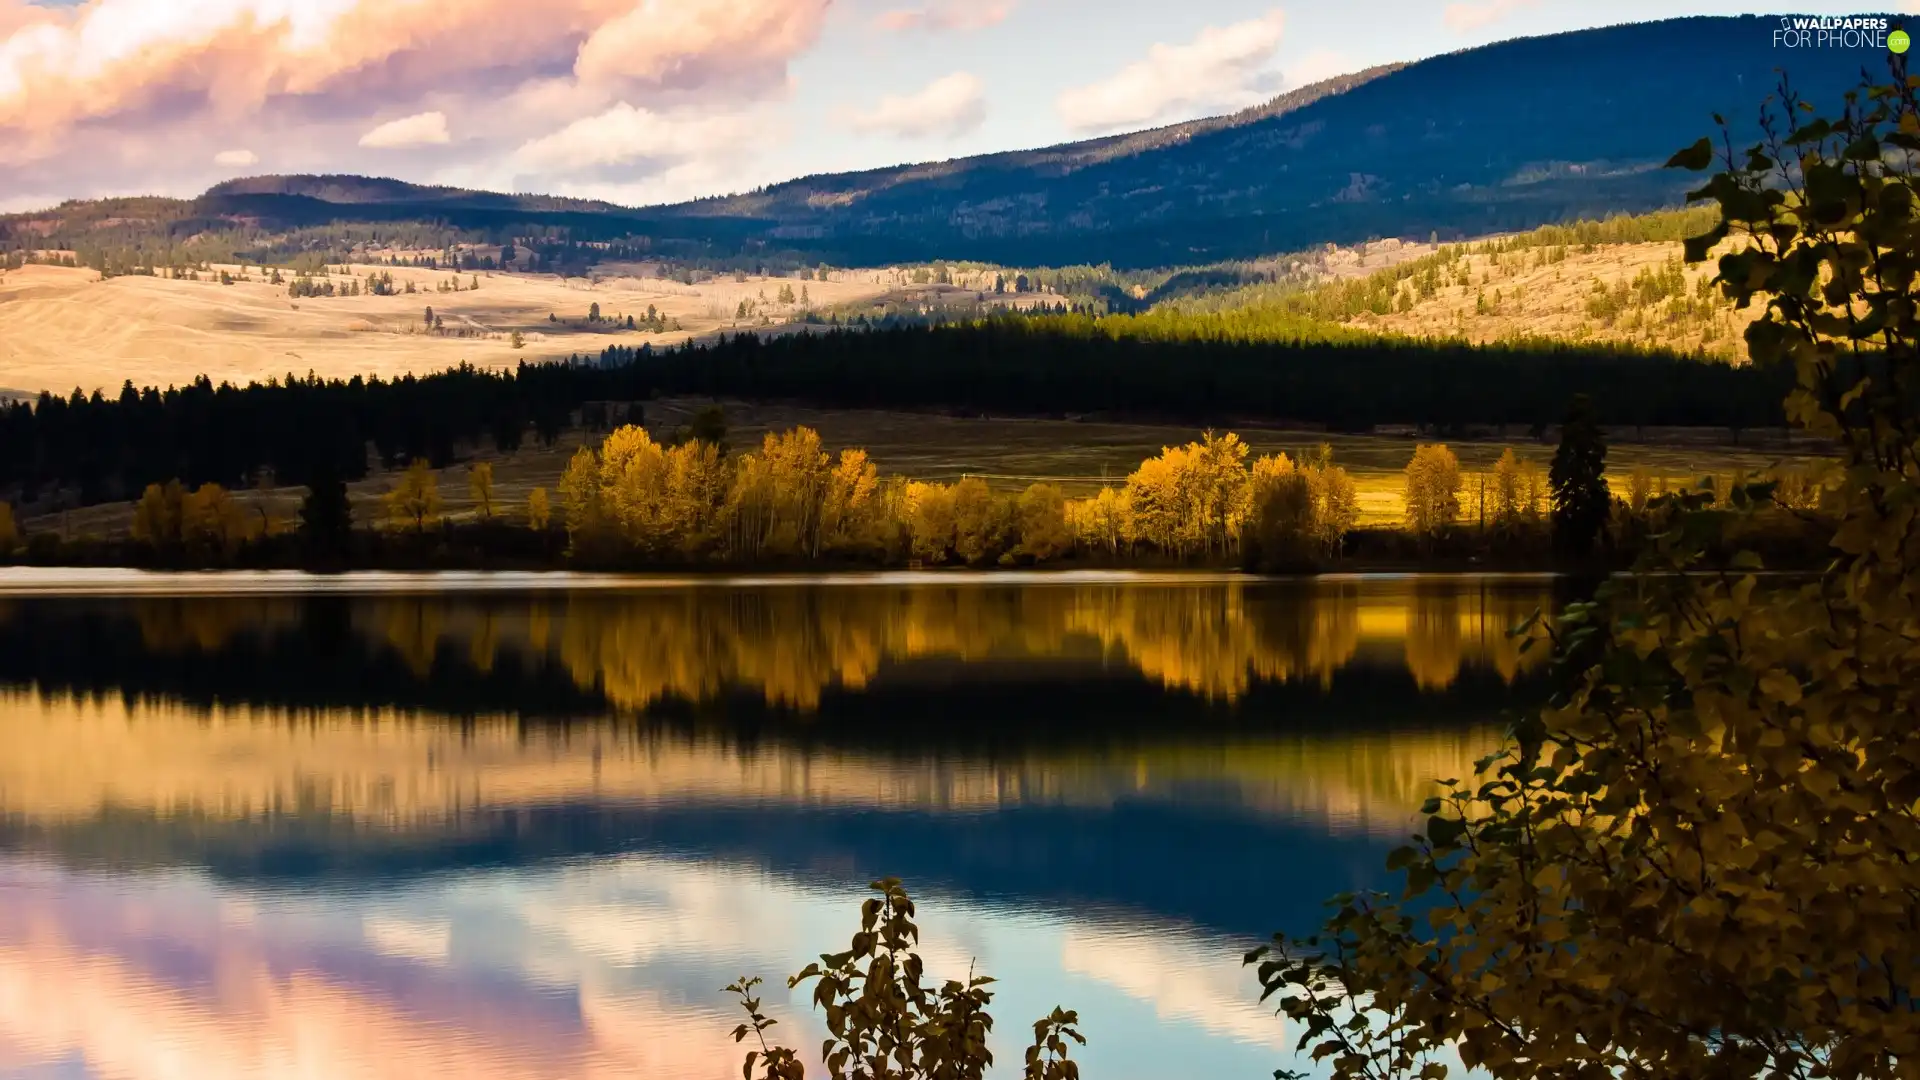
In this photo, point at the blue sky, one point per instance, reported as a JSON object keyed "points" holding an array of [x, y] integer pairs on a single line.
{"points": [[650, 100]]}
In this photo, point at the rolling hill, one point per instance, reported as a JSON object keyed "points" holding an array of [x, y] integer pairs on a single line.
{"points": [[1486, 140]]}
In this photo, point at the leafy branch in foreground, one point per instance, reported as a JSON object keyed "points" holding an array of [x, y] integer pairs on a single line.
{"points": [[1703, 858], [884, 1023]]}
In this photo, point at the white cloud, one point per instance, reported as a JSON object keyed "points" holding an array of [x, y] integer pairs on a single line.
{"points": [[236, 159], [1461, 17], [952, 105], [625, 135], [420, 129], [1223, 68]]}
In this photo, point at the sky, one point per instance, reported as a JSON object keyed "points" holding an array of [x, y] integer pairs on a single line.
{"points": [[648, 101]]}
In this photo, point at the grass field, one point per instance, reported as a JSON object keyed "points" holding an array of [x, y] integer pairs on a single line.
{"points": [[61, 328], [1009, 453]]}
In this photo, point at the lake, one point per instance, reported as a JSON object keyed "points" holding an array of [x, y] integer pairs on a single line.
{"points": [[258, 825]]}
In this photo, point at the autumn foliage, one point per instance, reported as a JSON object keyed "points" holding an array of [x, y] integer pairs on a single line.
{"points": [[791, 499]]}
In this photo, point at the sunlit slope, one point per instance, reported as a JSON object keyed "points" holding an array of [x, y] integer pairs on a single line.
{"points": [[63, 328], [1621, 281], [1629, 294]]}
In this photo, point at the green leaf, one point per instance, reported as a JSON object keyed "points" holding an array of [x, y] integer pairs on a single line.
{"points": [[1695, 157]]}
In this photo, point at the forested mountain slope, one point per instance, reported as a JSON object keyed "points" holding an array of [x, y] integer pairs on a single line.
{"points": [[1485, 140]]}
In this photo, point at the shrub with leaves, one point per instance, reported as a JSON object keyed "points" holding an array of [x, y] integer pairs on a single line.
{"points": [[885, 1023], [1703, 859]]}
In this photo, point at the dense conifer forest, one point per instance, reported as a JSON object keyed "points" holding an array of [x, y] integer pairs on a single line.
{"points": [[109, 447]]}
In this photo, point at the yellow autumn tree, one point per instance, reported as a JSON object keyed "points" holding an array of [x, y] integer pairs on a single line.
{"points": [[580, 501], [1504, 499], [853, 515], [698, 477], [1104, 522], [1336, 502], [930, 520], [1043, 523], [632, 484], [480, 484], [1161, 494], [778, 497], [1433, 490], [539, 510], [1222, 494], [157, 518], [211, 519], [415, 498], [983, 522], [1282, 530]]}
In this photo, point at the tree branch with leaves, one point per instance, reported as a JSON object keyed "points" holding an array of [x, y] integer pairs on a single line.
{"points": [[1702, 859]]}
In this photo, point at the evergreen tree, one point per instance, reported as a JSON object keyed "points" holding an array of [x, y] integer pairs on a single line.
{"points": [[1578, 479], [709, 426], [326, 516]]}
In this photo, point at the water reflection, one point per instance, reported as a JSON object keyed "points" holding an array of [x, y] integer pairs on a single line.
{"points": [[528, 833], [791, 645]]}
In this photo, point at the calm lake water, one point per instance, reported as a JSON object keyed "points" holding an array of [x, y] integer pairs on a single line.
{"points": [[528, 826]]}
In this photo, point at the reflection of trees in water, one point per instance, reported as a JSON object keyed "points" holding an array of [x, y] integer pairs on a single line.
{"points": [[72, 759], [1434, 645], [786, 644], [1213, 640], [179, 624], [790, 644]]}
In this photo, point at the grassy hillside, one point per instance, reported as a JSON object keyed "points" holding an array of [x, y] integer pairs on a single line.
{"points": [[1619, 282], [65, 327]]}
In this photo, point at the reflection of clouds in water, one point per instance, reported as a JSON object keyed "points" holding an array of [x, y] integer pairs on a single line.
{"points": [[407, 938], [150, 976], [1164, 969]]}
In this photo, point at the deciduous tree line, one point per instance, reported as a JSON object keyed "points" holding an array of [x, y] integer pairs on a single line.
{"points": [[791, 499]]}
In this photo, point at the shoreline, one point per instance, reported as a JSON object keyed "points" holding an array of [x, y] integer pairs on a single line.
{"points": [[58, 581]]}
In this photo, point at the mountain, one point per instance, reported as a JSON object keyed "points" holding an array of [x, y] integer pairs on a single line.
{"points": [[1505, 136], [1497, 138]]}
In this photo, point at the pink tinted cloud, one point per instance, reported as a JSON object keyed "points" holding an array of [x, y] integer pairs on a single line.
{"points": [[687, 44], [947, 15], [107, 62]]}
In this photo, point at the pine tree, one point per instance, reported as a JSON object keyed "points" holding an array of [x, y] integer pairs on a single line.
{"points": [[1578, 479], [326, 515]]}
